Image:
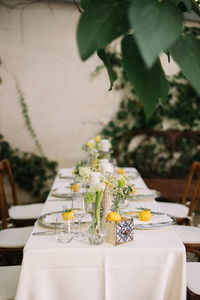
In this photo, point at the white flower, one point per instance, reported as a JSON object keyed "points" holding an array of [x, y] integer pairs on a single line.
{"points": [[84, 171], [97, 187]]}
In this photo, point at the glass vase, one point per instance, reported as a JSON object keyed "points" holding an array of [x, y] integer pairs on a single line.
{"points": [[97, 234], [120, 203]]}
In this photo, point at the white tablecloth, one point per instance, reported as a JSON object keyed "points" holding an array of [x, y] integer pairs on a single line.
{"points": [[151, 267]]}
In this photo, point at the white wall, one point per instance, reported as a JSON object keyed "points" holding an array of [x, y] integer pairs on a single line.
{"points": [[38, 45]]}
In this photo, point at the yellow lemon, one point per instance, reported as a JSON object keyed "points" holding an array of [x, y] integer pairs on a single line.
{"points": [[133, 190], [145, 215], [71, 187], [67, 215], [98, 138], [113, 217], [76, 187], [120, 171]]}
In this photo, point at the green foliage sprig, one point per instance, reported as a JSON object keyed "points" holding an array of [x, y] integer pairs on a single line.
{"points": [[27, 119], [146, 29], [31, 172]]}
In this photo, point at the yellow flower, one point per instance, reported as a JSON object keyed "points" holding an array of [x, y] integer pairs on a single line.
{"points": [[133, 190], [71, 187], [94, 162], [74, 171], [97, 139], [90, 145], [120, 171], [113, 217], [145, 215]]}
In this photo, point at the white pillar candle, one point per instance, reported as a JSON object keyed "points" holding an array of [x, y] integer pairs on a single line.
{"points": [[105, 145], [103, 161], [106, 168], [95, 178]]}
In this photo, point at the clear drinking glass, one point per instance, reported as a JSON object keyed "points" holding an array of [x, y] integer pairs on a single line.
{"points": [[79, 213], [64, 230]]}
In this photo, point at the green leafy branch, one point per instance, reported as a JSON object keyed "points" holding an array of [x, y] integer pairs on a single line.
{"points": [[27, 119], [31, 172], [146, 29]]}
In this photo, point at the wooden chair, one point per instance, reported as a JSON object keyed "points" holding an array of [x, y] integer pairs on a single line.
{"points": [[8, 281], [193, 281], [181, 211], [136, 147], [22, 215], [12, 240]]}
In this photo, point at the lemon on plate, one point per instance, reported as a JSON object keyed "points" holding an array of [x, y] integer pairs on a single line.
{"points": [[74, 187], [68, 215], [145, 215], [120, 171]]}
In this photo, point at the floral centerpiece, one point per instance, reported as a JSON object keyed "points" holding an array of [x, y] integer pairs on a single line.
{"points": [[94, 195], [121, 188], [93, 150]]}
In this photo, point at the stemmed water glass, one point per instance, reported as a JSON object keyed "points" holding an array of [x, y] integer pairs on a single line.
{"points": [[78, 207]]}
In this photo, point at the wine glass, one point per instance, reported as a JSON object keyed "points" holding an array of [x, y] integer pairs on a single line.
{"points": [[78, 207]]}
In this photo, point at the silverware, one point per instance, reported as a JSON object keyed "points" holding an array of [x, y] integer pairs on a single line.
{"points": [[44, 233]]}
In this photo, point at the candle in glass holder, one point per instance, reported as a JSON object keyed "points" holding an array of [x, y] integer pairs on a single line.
{"points": [[105, 145], [103, 161], [106, 168], [95, 178]]}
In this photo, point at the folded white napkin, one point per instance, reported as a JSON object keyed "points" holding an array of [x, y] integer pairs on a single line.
{"points": [[51, 218], [142, 192], [66, 173], [131, 172], [66, 191], [155, 219]]}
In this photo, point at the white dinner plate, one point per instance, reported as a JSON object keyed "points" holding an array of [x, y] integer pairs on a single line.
{"points": [[49, 220], [144, 195], [65, 192], [66, 174], [158, 220]]}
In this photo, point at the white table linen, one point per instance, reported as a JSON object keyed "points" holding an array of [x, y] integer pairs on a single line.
{"points": [[151, 267]]}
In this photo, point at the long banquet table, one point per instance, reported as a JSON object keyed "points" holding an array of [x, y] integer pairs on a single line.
{"points": [[151, 267]]}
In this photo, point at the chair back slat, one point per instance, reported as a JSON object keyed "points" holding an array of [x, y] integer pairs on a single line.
{"points": [[3, 206], [5, 169], [192, 187]]}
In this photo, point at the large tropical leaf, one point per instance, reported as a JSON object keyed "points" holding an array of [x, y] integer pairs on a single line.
{"points": [[112, 76], [186, 52], [156, 24], [150, 84], [101, 22], [187, 3], [84, 3]]}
